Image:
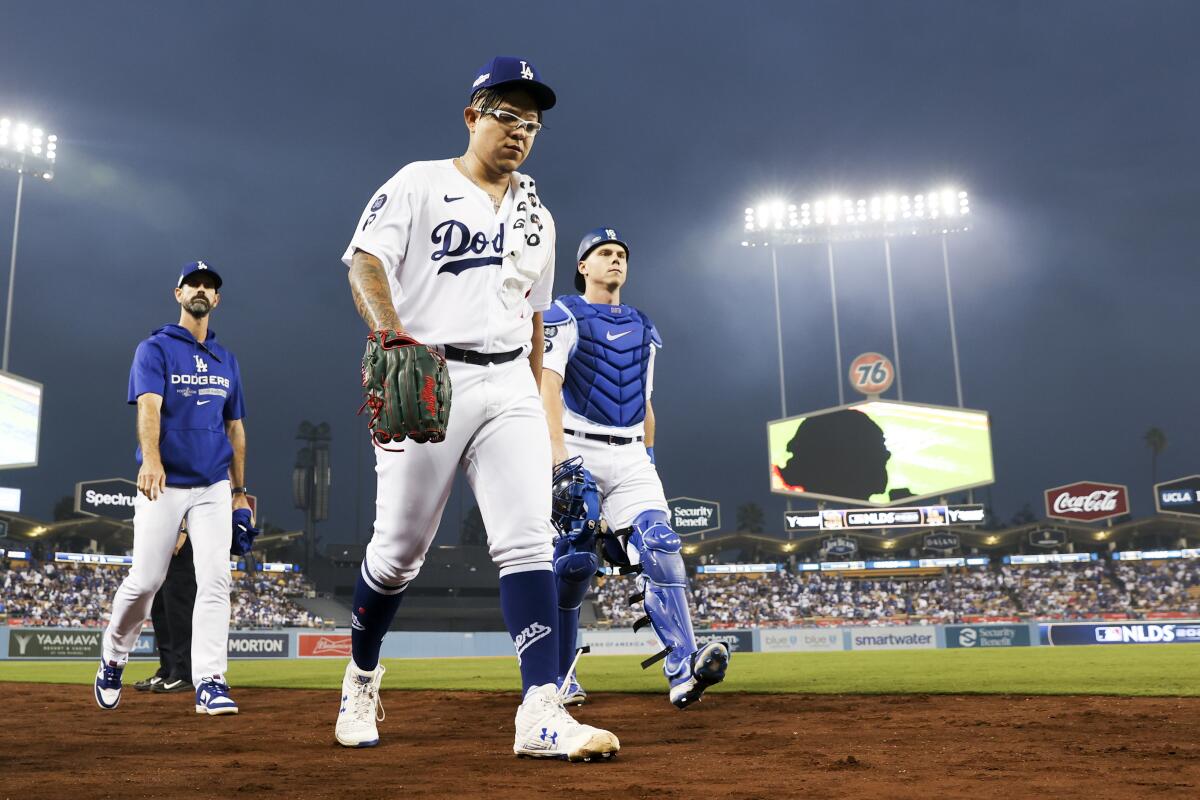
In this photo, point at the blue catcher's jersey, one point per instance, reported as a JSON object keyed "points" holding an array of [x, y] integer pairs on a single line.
{"points": [[607, 373]]}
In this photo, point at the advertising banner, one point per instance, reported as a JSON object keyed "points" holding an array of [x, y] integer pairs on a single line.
{"points": [[1087, 501], [910, 637], [621, 642], [871, 374], [1180, 496], [880, 453], [1124, 632], [692, 515], [838, 519], [54, 643], [1048, 537], [258, 645], [800, 640], [112, 498], [981, 636], [324, 645], [738, 641]]}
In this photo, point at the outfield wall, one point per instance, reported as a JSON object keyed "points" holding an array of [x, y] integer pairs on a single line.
{"points": [[84, 643]]}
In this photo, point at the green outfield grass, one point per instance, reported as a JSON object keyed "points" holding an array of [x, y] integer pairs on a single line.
{"points": [[1141, 670]]}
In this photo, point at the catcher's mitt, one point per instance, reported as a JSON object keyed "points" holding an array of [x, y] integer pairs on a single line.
{"points": [[407, 389]]}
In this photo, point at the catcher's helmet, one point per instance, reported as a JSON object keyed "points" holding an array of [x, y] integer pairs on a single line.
{"points": [[590, 241], [575, 498]]}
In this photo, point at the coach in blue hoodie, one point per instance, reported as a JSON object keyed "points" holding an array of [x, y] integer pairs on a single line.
{"points": [[192, 455]]}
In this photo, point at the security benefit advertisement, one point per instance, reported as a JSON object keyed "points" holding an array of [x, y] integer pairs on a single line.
{"points": [[880, 453], [1075, 633], [979, 637]]}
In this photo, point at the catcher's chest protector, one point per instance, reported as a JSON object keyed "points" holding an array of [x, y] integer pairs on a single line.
{"points": [[606, 375]]}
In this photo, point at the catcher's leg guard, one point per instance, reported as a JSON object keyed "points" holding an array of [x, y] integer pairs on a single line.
{"points": [[663, 583], [575, 562]]}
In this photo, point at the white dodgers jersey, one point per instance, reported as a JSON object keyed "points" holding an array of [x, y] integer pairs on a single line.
{"points": [[442, 244]]}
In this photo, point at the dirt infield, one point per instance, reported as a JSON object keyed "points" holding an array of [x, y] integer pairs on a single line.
{"points": [[55, 743]]}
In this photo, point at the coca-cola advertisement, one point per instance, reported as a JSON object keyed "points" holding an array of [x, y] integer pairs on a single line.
{"points": [[1087, 501]]}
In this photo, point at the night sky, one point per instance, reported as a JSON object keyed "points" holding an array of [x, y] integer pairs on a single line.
{"points": [[252, 134]]}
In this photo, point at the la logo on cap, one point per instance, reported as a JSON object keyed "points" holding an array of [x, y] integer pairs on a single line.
{"points": [[201, 265], [526, 72]]}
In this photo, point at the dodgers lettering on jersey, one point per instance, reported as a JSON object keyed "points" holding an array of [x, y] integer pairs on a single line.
{"points": [[201, 388], [605, 355], [442, 244]]}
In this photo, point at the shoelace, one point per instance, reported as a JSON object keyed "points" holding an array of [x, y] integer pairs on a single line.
{"points": [[111, 674], [366, 700]]}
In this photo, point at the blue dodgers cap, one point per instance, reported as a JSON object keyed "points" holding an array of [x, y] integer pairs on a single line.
{"points": [[514, 73], [197, 266], [590, 241]]}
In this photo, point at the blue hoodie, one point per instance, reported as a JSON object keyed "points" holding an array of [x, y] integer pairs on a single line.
{"points": [[201, 388]]}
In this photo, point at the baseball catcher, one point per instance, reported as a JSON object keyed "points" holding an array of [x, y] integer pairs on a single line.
{"points": [[596, 384]]}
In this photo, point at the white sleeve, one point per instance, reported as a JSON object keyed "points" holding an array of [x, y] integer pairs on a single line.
{"points": [[386, 223], [559, 347], [650, 372], [541, 295]]}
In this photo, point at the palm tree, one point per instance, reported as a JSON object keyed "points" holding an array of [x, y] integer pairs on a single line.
{"points": [[1156, 440], [750, 518]]}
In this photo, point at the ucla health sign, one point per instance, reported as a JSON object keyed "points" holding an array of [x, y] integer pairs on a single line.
{"points": [[1077, 633], [1180, 496]]}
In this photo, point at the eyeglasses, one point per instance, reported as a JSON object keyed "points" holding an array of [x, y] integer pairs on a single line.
{"points": [[515, 123]]}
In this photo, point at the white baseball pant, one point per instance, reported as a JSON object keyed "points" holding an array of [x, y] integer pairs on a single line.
{"points": [[497, 432], [628, 482], [209, 513]]}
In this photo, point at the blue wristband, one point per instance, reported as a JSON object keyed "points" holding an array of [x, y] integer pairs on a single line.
{"points": [[650, 452]]}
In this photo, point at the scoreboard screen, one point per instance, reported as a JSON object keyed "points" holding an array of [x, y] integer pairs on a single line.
{"points": [[20, 419], [880, 453]]}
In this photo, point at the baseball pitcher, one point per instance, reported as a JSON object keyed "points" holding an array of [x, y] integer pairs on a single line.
{"points": [[192, 456], [451, 266], [596, 384]]}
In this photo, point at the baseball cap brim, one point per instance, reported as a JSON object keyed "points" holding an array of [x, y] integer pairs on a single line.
{"points": [[543, 96]]}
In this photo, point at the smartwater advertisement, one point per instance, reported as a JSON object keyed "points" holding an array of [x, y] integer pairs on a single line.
{"points": [[1076, 633]]}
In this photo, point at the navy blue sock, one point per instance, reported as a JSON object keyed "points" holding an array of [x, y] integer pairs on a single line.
{"points": [[568, 634], [373, 614], [530, 606]]}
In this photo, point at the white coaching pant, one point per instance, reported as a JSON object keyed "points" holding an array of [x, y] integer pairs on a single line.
{"points": [[209, 513], [497, 432], [628, 482]]}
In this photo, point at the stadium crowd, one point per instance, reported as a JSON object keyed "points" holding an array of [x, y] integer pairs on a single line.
{"points": [[79, 595], [1053, 591]]}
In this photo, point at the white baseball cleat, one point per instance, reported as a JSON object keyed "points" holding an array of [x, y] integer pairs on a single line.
{"points": [[546, 730], [361, 707]]}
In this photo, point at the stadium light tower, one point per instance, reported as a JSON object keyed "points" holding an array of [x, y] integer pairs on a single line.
{"points": [[25, 149], [882, 217]]}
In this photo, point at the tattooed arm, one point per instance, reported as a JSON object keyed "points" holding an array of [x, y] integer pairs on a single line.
{"points": [[372, 295]]}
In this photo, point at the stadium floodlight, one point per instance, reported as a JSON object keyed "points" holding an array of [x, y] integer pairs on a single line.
{"points": [[833, 218], [26, 149]]}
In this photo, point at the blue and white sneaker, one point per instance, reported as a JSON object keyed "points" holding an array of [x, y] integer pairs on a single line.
{"points": [[574, 694], [108, 684], [708, 665], [212, 697]]}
